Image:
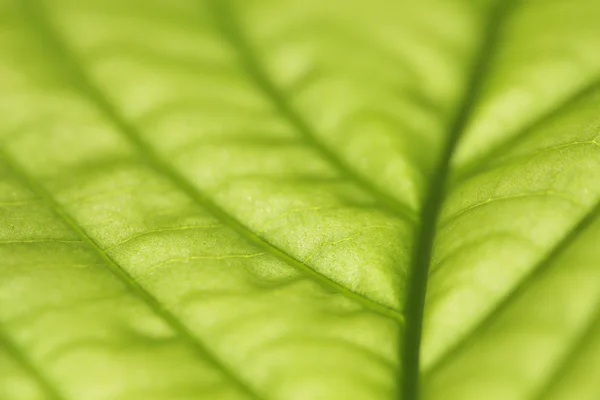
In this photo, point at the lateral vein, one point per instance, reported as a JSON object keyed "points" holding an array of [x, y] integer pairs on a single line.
{"points": [[17, 353], [250, 61], [173, 321], [575, 350], [489, 159], [534, 274], [155, 161]]}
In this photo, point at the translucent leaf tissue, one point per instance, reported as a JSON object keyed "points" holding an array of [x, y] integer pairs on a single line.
{"points": [[299, 200]]}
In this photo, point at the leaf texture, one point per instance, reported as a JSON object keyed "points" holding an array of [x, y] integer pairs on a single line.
{"points": [[291, 200]]}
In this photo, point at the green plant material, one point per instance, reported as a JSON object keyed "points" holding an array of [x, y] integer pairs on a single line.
{"points": [[299, 200]]}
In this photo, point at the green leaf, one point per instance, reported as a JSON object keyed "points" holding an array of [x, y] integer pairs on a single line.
{"points": [[293, 200]]}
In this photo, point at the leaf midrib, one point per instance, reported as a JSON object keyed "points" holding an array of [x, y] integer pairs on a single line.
{"points": [[434, 200]]}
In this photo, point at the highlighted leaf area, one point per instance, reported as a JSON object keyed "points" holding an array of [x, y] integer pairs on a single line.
{"points": [[299, 200]]}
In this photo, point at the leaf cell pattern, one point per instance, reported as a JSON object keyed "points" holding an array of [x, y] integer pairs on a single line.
{"points": [[225, 199]]}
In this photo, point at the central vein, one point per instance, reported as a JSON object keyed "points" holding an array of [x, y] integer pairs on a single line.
{"points": [[423, 248]]}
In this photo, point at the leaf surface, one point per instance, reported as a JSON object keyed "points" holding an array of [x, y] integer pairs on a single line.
{"points": [[299, 200]]}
